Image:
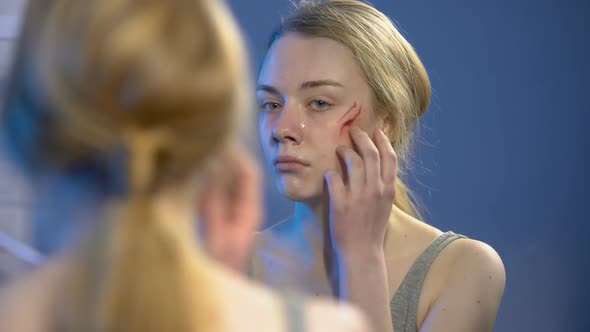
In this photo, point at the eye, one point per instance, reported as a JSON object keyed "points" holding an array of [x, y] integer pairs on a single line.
{"points": [[320, 104], [269, 106]]}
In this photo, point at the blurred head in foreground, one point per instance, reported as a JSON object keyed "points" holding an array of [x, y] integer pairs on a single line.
{"points": [[123, 114]]}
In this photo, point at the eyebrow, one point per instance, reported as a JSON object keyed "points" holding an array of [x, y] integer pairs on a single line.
{"points": [[305, 85], [315, 84], [268, 88]]}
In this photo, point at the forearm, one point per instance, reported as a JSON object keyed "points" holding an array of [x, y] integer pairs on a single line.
{"points": [[363, 282]]}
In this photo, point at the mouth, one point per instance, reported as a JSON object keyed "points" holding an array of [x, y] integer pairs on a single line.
{"points": [[288, 163]]}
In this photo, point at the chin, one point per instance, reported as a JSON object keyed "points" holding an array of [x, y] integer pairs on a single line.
{"points": [[296, 190], [293, 194]]}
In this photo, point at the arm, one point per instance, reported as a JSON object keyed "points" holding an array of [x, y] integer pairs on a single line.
{"points": [[359, 216], [363, 282], [471, 297]]}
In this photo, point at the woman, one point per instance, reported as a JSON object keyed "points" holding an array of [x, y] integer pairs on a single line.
{"points": [[339, 92], [130, 108]]}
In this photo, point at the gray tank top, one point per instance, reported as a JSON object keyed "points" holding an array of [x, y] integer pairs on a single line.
{"points": [[404, 304]]}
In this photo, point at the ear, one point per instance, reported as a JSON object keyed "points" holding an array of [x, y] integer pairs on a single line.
{"points": [[387, 123], [231, 210]]}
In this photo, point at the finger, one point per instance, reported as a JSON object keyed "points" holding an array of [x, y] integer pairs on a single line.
{"points": [[369, 154], [246, 191], [355, 172], [214, 216], [247, 211], [336, 188], [387, 156]]}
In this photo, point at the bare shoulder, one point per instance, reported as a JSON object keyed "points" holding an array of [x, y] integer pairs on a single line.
{"points": [[468, 263], [26, 304], [480, 261], [327, 315], [10, 294], [19, 303], [469, 279]]}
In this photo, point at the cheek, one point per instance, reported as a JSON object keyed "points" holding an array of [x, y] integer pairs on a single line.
{"points": [[322, 134], [354, 117], [265, 140], [264, 128], [324, 140]]}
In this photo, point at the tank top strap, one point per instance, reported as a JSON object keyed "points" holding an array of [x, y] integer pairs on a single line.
{"points": [[404, 304]]}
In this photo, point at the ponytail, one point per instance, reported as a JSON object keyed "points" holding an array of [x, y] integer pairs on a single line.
{"points": [[405, 199], [141, 273]]}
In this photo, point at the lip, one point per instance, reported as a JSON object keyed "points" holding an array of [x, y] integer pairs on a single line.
{"points": [[289, 163]]}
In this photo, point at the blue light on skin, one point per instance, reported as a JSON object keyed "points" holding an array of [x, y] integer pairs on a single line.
{"points": [[62, 208]]}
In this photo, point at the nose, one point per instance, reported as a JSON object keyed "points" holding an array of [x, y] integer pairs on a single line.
{"points": [[288, 127]]}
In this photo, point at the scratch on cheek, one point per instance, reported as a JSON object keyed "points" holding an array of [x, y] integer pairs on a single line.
{"points": [[350, 118]]}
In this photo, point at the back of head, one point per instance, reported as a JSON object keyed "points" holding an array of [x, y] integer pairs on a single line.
{"points": [[88, 75], [158, 83], [391, 67]]}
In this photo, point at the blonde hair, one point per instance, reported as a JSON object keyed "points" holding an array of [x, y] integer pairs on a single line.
{"points": [[398, 80], [159, 81]]}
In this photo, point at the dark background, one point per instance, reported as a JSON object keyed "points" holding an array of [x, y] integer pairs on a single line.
{"points": [[502, 153]]}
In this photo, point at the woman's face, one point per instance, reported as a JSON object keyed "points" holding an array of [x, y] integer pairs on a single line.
{"points": [[310, 91]]}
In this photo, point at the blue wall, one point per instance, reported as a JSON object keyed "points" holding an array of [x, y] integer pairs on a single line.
{"points": [[501, 155]]}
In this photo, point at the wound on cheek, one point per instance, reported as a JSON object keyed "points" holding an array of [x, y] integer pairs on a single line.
{"points": [[350, 118]]}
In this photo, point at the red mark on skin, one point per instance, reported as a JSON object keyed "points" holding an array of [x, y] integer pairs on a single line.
{"points": [[350, 118]]}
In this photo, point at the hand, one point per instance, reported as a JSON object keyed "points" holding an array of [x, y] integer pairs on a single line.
{"points": [[231, 208], [360, 204]]}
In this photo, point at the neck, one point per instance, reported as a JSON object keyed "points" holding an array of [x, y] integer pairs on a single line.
{"points": [[313, 214], [312, 221]]}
